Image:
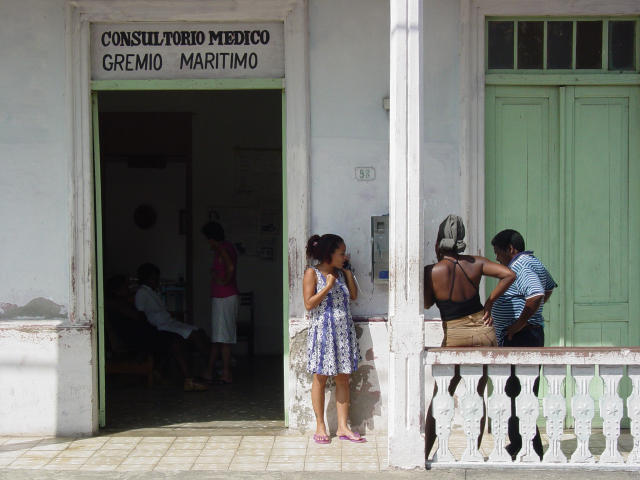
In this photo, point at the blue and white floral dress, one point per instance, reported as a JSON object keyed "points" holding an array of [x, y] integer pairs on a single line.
{"points": [[332, 346]]}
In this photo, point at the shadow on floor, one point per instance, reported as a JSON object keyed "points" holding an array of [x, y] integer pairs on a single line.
{"points": [[254, 401]]}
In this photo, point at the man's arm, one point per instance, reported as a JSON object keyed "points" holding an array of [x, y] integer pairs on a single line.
{"points": [[529, 285], [531, 306]]}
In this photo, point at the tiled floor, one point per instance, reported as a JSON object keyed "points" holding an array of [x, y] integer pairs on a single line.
{"points": [[250, 403], [249, 453], [211, 453]]}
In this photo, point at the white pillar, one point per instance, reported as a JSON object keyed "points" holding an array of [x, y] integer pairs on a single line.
{"points": [[406, 374]]}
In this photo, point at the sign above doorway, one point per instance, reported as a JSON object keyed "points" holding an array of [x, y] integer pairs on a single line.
{"points": [[159, 51]]}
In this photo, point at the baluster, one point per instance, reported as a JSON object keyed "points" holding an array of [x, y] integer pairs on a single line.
{"points": [[611, 411], [582, 410], [443, 410], [527, 410], [499, 412], [472, 408], [633, 410], [554, 409]]}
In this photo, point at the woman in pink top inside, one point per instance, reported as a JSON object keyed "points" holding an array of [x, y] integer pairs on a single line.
{"points": [[224, 299]]}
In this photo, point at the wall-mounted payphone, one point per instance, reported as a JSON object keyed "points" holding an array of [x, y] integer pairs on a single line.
{"points": [[380, 249]]}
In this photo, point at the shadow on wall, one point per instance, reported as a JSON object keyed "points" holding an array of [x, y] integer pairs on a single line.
{"points": [[365, 388], [301, 410], [37, 309], [46, 366]]}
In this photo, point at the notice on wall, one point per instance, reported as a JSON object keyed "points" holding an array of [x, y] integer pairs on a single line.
{"points": [[161, 51]]}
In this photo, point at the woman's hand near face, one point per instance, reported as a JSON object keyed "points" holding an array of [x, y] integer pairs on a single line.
{"points": [[312, 298]]}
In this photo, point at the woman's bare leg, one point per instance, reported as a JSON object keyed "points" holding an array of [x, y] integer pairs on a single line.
{"points": [[226, 363], [213, 358], [317, 400], [342, 403]]}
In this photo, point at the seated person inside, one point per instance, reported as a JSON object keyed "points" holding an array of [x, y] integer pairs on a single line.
{"points": [[148, 325], [127, 328]]}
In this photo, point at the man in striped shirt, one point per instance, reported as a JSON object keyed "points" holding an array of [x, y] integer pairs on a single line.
{"points": [[517, 315]]}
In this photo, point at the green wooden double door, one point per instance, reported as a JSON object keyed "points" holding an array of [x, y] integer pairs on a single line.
{"points": [[563, 168]]}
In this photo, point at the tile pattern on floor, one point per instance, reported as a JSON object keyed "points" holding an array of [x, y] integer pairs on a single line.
{"points": [[248, 453], [231, 452]]}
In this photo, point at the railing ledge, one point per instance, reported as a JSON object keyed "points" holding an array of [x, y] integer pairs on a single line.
{"points": [[533, 356]]}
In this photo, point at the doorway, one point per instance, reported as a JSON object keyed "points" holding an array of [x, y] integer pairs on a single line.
{"points": [[169, 163]]}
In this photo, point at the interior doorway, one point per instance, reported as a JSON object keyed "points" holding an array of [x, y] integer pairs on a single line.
{"points": [[169, 163]]}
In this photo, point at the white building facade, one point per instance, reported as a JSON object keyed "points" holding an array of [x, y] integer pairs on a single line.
{"points": [[396, 86]]}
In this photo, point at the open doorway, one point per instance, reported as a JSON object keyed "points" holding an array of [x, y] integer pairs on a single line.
{"points": [[171, 162]]}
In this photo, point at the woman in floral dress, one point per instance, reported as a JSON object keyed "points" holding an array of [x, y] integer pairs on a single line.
{"points": [[332, 347]]}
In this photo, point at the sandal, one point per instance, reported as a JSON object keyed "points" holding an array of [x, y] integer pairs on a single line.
{"points": [[321, 439], [356, 438]]}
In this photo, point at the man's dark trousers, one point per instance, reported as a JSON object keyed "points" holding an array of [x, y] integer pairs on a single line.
{"points": [[530, 336]]}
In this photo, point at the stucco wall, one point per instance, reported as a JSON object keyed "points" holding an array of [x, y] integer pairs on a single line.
{"points": [[46, 368], [349, 66], [46, 371], [441, 150], [349, 70], [368, 411], [34, 153]]}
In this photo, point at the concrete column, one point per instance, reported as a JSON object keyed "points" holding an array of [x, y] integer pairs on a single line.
{"points": [[406, 374]]}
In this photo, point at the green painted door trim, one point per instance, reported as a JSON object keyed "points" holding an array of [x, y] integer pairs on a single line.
{"points": [[562, 79], [99, 258], [190, 84], [285, 264]]}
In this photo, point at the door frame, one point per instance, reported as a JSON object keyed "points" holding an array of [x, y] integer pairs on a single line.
{"points": [[296, 132], [237, 85]]}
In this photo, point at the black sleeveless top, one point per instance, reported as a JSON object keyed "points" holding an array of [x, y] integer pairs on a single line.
{"points": [[450, 310]]}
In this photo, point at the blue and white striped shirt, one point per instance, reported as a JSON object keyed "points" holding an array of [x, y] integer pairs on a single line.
{"points": [[532, 280]]}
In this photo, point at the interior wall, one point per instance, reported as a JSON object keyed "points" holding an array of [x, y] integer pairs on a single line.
{"points": [[126, 246], [229, 129]]}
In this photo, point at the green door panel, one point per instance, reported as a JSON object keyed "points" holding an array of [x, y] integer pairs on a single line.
{"points": [[598, 295], [522, 176]]}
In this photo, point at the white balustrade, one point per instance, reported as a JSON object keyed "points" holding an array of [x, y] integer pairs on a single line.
{"points": [[443, 410], [554, 361], [633, 410], [472, 411], [611, 411], [554, 407], [582, 407], [527, 411], [499, 412]]}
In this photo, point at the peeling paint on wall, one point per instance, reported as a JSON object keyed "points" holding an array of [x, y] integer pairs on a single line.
{"points": [[301, 401], [38, 308], [366, 396]]}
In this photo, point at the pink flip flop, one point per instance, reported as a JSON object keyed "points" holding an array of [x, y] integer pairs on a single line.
{"points": [[321, 439], [356, 438]]}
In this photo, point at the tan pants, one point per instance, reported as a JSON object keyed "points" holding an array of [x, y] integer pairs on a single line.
{"points": [[469, 331]]}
